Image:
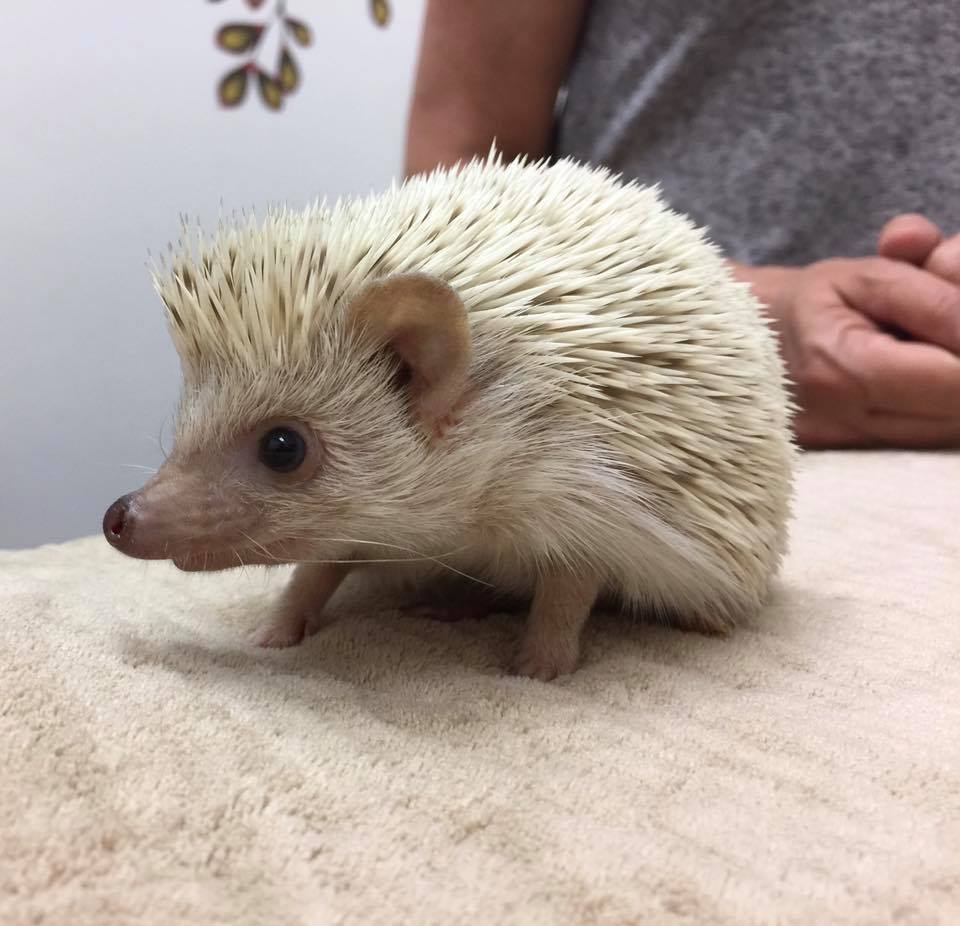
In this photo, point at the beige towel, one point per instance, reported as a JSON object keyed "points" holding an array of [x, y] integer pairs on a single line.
{"points": [[155, 769]]}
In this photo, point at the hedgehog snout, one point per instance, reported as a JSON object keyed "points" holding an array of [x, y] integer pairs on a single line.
{"points": [[115, 520], [173, 514], [122, 527]]}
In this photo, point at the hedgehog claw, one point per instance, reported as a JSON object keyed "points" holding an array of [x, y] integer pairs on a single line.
{"points": [[544, 667], [280, 634]]}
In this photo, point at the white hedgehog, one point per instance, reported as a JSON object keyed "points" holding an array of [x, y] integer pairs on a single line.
{"points": [[534, 375]]}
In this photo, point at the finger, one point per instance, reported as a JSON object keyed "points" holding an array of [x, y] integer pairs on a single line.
{"points": [[906, 431], [900, 296], [816, 429], [944, 262], [909, 237], [905, 378], [878, 429]]}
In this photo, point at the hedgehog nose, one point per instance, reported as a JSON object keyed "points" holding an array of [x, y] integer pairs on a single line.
{"points": [[116, 520]]}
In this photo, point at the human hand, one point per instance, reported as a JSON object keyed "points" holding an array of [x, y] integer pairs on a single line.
{"points": [[856, 383]]}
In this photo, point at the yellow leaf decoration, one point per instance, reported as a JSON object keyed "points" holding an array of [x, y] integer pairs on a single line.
{"points": [[289, 75], [233, 87], [271, 91], [238, 37], [282, 31], [381, 12], [299, 30]]}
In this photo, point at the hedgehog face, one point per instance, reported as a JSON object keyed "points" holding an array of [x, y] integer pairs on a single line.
{"points": [[312, 457], [273, 467]]}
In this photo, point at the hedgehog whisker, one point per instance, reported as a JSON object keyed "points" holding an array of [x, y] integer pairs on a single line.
{"points": [[420, 559], [379, 543], [259, 546], [416, 556], [159, 442], [363, 562], [163, 450]]}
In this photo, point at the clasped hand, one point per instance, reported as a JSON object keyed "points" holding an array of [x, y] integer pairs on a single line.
{"points": [[872, 345]]}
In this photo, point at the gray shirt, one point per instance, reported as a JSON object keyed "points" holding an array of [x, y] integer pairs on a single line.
{"points": [[792, 128]]}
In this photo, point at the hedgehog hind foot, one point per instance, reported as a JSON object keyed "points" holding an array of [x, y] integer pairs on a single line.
{"points": [[707, 624]]}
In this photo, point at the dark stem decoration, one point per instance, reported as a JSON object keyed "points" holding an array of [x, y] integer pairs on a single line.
{"points": [[245, 38]]}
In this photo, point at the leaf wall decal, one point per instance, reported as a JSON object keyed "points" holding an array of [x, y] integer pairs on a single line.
{"points": [[299, 30], [381, 12], [239, 37], [289, 74], [270, 90], [233, 87]]}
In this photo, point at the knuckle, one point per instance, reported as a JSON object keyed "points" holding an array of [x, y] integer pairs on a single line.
{"points": [[875, 273]]}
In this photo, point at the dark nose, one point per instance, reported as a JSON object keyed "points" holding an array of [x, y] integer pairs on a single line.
{"points": [[116, 520]]}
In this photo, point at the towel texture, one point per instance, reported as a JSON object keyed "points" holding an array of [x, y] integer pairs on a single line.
{"points": [[156, 769]]}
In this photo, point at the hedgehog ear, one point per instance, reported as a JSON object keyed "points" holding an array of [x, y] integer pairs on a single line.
{"points": [[425, 323]]}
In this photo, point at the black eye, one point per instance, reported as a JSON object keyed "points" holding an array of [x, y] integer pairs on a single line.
{"points": [[282, 450]]}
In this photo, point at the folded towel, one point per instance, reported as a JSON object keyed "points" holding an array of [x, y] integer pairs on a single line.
{"points": [[155, 768]]}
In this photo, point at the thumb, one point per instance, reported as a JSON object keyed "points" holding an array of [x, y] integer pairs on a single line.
{"points": [[908, 237]]}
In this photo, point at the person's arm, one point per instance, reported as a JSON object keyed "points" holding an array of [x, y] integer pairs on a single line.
{"points": [[489, 69]]}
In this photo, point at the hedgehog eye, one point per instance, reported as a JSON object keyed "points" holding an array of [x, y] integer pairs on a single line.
{"points": [[282, 450]]}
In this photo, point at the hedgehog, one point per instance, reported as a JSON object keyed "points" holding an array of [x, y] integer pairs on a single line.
{"points": [[534, 375]]}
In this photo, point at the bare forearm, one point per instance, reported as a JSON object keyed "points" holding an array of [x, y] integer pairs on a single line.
{"points": [[489, 71], [768, 284]]}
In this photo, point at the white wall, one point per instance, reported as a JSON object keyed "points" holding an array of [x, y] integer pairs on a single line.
{"points": [[108, 131]]}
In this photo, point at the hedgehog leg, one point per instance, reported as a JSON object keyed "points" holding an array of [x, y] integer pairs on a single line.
{"points": [[310, 587], [551, 642]]}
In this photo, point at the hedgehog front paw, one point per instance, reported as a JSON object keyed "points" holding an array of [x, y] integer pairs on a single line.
{"points": [[285, 628], [278, 636], [545, 664]]}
